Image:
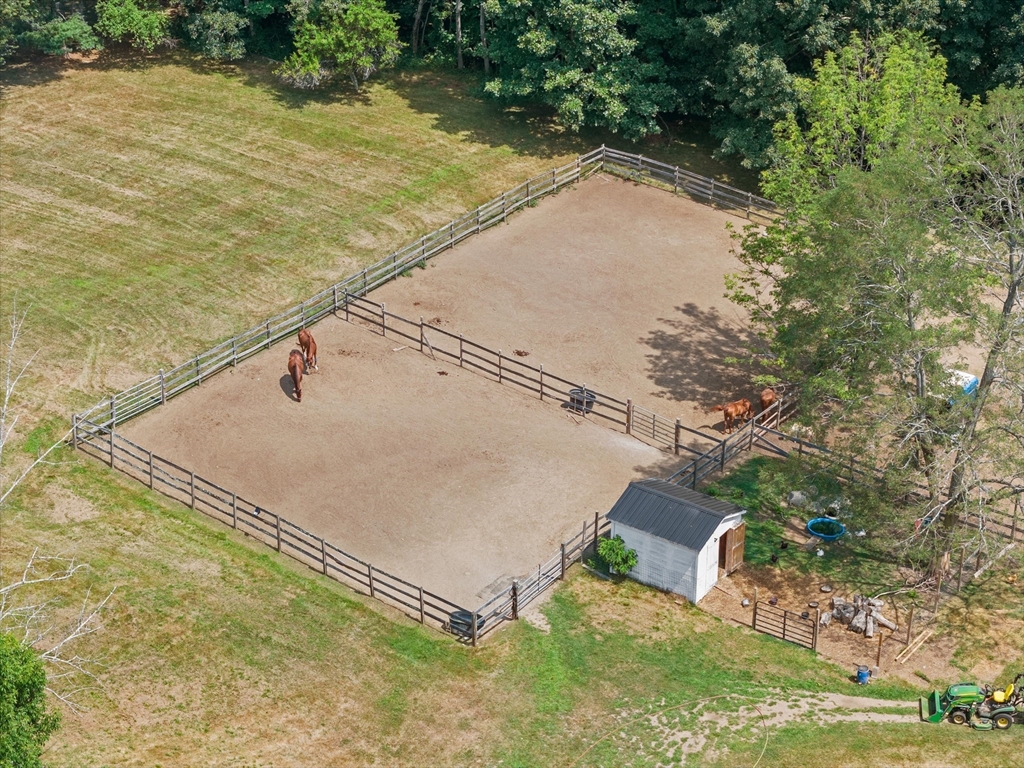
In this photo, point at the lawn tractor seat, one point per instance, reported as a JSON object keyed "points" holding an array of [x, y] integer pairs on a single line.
{"points": [[1001, 697]]}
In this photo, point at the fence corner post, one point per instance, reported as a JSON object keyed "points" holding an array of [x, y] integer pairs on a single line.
{"points": [[163, 388], [423, 608], [675, 440], [383, 321], [562, 576], [597, 529], [515, 600], [421, 334], [74, 435], [474, 617], [629, 416]]}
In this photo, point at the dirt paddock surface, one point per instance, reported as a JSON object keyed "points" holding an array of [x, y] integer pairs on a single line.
{"points": [[613, 284], [443, 477]]}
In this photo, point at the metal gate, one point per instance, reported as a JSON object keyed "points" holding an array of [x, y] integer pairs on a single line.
{"points": [[787, 625]]}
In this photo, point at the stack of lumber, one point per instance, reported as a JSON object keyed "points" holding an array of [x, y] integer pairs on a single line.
{"points": [[862, 615]]}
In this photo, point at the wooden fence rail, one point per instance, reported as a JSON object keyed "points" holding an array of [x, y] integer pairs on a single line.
{"points": [[787, 625], [94, 430], [157, 390], [265, 526]]}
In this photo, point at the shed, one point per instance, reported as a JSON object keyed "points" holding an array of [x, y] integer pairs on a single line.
{"points": [[681, 537]]}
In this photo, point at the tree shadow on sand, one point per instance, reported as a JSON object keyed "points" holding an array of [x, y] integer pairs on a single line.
{"points": [[688, 361]]}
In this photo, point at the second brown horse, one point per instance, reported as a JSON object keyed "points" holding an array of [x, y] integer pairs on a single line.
{"points": [[295, 366], [738, 409], [308, 345]]}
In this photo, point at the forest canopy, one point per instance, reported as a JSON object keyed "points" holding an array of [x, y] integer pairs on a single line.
{"points": [[613, 64]]}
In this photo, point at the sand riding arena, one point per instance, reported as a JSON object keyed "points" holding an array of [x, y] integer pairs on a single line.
{"points": [[484, 395]]}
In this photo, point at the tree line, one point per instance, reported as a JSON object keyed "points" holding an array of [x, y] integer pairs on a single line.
{"points": [[613, 64]]}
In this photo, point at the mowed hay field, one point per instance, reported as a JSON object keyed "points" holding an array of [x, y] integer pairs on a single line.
{"points": [[154, 205]]}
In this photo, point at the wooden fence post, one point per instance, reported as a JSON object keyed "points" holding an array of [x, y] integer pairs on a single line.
{"points": [[499, 366], [629, 416], [234, 511], [268, 334], [460, 350], [478, 220], [675, 181], [383, 321], [675, 440], [960, 573], [113, 412], [562, 576], [504, 209], [421, 334], [910, 624], [817, 623], [1016, 511], [725, 444], [234, 352], [192, 488], [364, 284], [163, 388], [473, 619], [111, 446], [323, 560], [693, 479], [753, 621], [151, 470], [515, 600], [878, 656], [199, 371], [784, 615], [542, 382], [369, 576], [423, 609], [597, 528], [347, 319], [748, 218], [302, 314], [74, 430], [278, 517], [712, 198], [334, 289]]}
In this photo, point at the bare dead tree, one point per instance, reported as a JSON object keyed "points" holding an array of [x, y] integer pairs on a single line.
{"points": [[29, 607]]}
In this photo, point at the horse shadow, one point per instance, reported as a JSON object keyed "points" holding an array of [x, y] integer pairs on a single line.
{"points": [[288, 388]]}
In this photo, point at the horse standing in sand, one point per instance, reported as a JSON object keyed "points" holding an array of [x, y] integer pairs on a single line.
{"points": [[738, 409], [768, 398], [295, 366], [308, 345]]}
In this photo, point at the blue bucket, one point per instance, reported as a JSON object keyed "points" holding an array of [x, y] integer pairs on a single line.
{"points": [[863, 675]]}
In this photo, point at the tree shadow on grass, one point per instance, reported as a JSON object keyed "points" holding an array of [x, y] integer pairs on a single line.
{"points": [[688, 361]]}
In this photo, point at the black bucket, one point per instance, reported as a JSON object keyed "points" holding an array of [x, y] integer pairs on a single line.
{"points": [[461, 623], [581, 400]]}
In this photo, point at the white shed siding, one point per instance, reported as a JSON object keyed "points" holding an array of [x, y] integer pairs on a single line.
{"points": [[673, 567], [661, 563]]}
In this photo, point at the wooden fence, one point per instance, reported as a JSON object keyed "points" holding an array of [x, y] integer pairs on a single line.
{"points": [[265, 526], [94, 430], [787, 625], [505, 606], [700, 188], [156, 390]]}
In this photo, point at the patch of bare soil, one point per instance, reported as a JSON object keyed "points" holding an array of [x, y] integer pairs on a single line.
{"points": [[795, 592], [69, 507]]}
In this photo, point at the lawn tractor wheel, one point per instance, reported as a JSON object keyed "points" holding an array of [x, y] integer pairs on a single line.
{"points": [[1002, 721], [958, 716]]}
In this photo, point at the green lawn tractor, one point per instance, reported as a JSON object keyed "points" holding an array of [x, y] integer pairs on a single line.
{"points": [[980, 706]]}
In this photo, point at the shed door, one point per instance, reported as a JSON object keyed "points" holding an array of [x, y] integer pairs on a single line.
{"points": [[732, 547]]}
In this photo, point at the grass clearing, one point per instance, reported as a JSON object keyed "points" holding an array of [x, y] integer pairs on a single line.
{"points": [[153, 205]]}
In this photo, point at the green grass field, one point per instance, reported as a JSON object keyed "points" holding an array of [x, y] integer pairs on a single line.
{"points": [[154, 205]]}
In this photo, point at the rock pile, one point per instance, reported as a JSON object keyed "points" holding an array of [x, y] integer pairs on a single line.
{"points": [[863, 615]]}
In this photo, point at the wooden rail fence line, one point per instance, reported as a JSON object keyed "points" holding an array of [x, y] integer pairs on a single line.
{"points": [[787, 625], [155, 391], [262, 524]]}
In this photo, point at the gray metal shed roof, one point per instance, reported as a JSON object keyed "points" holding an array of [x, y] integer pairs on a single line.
{"points": [[671, 512]]}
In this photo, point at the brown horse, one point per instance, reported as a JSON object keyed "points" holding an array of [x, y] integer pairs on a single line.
{"points": [[768, 398], [738, 409], [295, 366], [308, 344]]}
